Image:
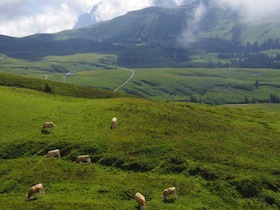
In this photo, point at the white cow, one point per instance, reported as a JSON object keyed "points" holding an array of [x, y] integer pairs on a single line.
{"points": [[34, 190], [83, 158], [114, 123], [141, 200], [167, 192], [53, 153], [48, 126]]}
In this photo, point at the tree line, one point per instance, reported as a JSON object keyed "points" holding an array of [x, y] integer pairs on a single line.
{"points": [[252, 60], [249, 55]]}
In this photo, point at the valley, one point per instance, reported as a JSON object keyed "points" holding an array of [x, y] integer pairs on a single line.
{"points": [[196, 92]]}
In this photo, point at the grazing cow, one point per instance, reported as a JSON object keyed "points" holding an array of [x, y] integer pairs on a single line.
{"points": [[53, 153], [48, 126], [114, 123], [83, 158], [34, 190], [141, 200], [167, 192]]}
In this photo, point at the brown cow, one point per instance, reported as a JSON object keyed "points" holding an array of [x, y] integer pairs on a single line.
{"points": [[83, 158], [141, 200], [34, 190], [167, 192], [53, 153], [114, 123]]}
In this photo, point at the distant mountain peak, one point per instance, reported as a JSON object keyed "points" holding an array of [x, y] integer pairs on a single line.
{"points": [[88, 19], [85, 20]]}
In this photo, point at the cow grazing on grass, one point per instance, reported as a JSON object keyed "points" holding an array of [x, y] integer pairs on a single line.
{"points": [[167, 192], [114, 123], [48, 127], [141, 200], [34, 190], [53, 153], [83, 158]]}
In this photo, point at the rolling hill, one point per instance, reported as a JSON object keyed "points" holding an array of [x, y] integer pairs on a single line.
{"points": [[217, 157]]}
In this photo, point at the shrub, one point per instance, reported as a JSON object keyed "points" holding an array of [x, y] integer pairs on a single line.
{"points": [[270, 200], [206, 173], [16, 150], [47, 88], [127, 194], [10, 186], [108, 160], [175, 164], [137, 166], [247, 188]]}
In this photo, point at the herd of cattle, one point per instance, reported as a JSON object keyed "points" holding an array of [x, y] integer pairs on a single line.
{"points": [[39, 189]]}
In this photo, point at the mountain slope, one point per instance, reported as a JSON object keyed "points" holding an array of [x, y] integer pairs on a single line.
{"points": [[88, 19], [134, 27], [156, 37], [230, 159], [166, 24]]}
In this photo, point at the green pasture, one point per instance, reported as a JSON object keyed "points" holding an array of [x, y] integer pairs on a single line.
{"points": [[107, 79], [213, 86], [218, 157], [205, 85], [57, 64]]}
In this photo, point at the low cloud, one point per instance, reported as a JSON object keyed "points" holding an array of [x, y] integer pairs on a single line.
{"points": [[108, 9], [250, 10], [25, 17], [253, 9], [193, 21]]}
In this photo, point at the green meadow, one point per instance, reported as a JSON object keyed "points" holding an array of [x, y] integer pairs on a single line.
{"points": [[218, 157], [205, 85], [211, 86]]}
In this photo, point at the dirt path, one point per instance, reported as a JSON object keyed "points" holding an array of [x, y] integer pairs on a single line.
{"points": [[131, 76]]}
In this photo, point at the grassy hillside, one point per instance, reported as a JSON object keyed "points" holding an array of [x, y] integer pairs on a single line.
{"points": [[217, 157], [56, 88], [206, 85], [213, 86], [58, 64]]}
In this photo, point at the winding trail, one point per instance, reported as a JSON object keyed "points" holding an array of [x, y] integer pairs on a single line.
{"points": [[45, 76], [131, 76]]}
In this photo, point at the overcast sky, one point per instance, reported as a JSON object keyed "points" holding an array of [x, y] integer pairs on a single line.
{"points": [[20, 18]]}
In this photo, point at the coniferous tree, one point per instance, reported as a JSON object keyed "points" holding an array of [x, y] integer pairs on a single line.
{"points": [[47, 88], [246, 101], [257, 84]]}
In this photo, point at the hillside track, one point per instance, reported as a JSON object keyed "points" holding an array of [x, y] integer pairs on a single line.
{"points": [[131, 76]]}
